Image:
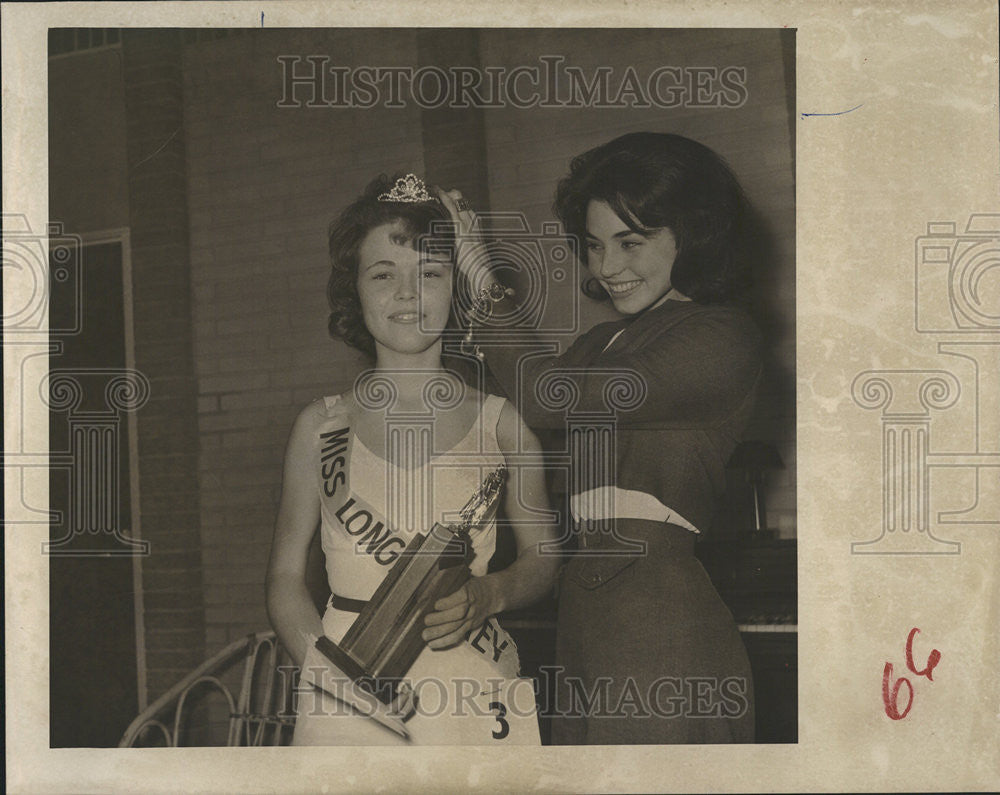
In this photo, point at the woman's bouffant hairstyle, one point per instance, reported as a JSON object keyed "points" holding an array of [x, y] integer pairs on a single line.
{"points": [[346, 234], [656, 180]]}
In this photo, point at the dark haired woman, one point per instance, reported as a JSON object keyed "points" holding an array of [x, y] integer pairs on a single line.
{"points": [[370, 491], [646, 649]]}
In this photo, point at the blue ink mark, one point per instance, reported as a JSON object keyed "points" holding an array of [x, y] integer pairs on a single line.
{"points": [[838, 113], [262, 19]]}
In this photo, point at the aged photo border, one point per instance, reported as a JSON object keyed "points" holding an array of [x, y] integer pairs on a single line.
{"points": [[821, 650]]}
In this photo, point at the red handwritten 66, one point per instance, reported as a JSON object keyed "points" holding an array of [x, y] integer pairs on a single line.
{"points": [[890, 692]]}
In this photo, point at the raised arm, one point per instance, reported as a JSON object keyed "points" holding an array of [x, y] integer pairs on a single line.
{"points": [[289, 605], [693, 372], [531, 576]]}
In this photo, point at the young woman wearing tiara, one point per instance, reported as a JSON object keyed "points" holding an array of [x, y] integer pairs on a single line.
{"points": [[659, 220], [369, 488]]}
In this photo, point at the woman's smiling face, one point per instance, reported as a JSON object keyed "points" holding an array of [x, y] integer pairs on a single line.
{"points": [[405, 294], [633, 268]]}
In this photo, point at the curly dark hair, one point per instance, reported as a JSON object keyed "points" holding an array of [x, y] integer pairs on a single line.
{"points": [[346, 234], [657, 180]]}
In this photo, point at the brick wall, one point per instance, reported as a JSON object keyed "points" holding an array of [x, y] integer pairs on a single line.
{"points": [[88, 173], [265, 182], [167, 429], [454, 139]]}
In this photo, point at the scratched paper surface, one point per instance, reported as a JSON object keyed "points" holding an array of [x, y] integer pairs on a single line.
{"points": [[894, 344]]}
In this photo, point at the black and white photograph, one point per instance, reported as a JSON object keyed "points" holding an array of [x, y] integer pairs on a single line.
{"points": [[426, 382], [525, 296]]}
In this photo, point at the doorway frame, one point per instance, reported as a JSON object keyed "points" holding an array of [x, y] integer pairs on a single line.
{"points": [[122, 236]]}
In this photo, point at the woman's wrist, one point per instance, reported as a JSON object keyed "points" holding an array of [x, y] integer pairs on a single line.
{"points": [[494, 593]]}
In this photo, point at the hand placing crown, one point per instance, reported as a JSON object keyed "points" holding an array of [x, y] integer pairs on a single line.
{"points": [[409, 189]]}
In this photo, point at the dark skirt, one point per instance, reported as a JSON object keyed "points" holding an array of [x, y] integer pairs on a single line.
{"points": [[646, 650]]}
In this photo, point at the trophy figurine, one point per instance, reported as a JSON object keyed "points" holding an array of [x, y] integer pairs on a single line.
{"points": [[385, 639]]}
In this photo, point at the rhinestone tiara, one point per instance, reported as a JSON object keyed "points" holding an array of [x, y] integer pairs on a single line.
{"points": [[409, 189]]}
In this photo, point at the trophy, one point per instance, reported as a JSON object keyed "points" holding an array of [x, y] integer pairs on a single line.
{"points": [[385, 639]]}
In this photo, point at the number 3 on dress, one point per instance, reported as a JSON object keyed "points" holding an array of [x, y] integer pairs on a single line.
{"points": [[504, 727]]}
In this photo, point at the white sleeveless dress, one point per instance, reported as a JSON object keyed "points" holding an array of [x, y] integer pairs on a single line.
{"points": [[469, 694]]}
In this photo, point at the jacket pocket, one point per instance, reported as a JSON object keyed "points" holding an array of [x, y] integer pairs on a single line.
{"points": [[599, 571]]}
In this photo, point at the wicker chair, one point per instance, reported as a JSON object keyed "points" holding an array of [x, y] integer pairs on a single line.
{"points": [[261, 714]]}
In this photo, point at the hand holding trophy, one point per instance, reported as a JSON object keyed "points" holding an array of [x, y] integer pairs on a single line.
{"points": [[385, 639]]}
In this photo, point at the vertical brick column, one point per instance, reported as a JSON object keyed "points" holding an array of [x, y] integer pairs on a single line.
{"points": [[454, 139], [172, 590]]}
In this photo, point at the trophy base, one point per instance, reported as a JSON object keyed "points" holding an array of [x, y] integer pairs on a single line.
{"points": [[323, 673], [385, 689]]}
